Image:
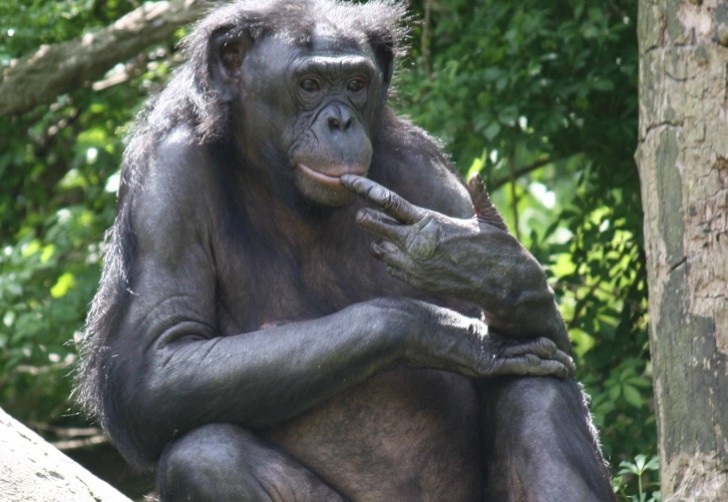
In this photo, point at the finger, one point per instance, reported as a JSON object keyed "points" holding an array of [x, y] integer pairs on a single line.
{"points": [[383, 226], [549, 368], [390, 202], [402, 276], [476, 187], [543, 348], [484, 208], [531, 365], [399, 265], [394, 258], [567, 361]]}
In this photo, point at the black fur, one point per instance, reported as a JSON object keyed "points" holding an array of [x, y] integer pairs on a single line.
{"points": [[236, 310]]}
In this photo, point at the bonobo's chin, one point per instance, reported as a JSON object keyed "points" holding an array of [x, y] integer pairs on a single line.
{"points": [[325, 189]]}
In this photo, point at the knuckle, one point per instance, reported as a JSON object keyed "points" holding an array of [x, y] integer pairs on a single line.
{"points": [[387, 199], [548, 345], [394, 203], [421, 246]]}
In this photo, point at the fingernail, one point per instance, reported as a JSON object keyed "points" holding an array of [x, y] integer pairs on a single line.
{"points": [[363, 215], [377, 248]]}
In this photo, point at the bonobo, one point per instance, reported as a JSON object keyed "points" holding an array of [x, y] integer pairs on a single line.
{"points": [[300, 300]]}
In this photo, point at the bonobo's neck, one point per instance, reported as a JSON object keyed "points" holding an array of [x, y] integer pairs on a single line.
{"points": [[310, 224], [275, 205]]}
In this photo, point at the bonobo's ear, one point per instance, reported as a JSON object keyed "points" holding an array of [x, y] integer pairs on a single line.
{"points": [[226, 50], [383, 47]]}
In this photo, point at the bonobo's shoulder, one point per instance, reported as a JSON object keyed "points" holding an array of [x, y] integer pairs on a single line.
{"points": [[413, 164], [179, 156], [175, 179], [174, 166]]}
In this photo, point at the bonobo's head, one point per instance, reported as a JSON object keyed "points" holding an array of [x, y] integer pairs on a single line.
{"points": [[306, 82]]}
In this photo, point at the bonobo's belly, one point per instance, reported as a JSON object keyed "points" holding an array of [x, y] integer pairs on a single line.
{"points": [[405, 434]]}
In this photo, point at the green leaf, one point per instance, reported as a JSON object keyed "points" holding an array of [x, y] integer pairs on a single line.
{"points": [[508, 115], [615, 392], [632, 396], [602, 84], [492, 131], [64, 283]]}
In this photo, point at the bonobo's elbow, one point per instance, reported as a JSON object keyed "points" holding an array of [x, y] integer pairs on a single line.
{"points": [[138, 433], [140, 412]]}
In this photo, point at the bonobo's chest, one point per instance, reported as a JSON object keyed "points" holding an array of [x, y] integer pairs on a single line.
{"points": [[384, 439], [279, 278]]}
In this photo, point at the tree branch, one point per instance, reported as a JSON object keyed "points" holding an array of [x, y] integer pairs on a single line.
{"points": [[61, 68], [425, 39], [517, 173]]}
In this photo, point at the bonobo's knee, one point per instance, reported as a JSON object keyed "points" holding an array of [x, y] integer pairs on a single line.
{"points": [[221, 462], [533, 397], [208, 463], [543, 442], [544, 411]]}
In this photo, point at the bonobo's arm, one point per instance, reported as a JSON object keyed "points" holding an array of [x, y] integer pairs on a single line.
{"points": [[170, 369], [182, 374], [475, 259]]}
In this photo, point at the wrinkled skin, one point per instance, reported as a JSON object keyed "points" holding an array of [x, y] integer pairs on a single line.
{"points": [[247, 342], [444, 255]]}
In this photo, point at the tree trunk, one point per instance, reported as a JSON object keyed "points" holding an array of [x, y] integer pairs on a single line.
{"points": [[683, 164], [33, 470]]}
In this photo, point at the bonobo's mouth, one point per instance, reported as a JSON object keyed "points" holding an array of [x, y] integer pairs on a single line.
{"points": [[328, 179]]}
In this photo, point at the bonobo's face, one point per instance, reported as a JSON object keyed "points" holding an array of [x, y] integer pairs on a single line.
{"points": [[314, 106]]}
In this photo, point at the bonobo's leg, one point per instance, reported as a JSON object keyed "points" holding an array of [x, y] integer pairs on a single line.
{"points": [[222, 462], [540, 444]]}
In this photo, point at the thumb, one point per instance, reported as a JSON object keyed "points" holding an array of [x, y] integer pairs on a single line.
{"points": [[484, 208]]}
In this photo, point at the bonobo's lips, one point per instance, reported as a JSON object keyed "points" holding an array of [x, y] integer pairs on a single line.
{"points": [[328, 179]]}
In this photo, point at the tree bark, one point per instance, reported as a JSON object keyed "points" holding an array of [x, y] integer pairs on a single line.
{"points": [[683, 165], [33, 470], [61, 68]]}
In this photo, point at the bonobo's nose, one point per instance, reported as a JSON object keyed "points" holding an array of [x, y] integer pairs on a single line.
{"points": [[338, 117]]}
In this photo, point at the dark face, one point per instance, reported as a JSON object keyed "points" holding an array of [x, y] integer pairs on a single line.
{"points": [[313, 107]]}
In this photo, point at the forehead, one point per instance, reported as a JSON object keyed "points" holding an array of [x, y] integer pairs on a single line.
{"points": [[326, 47]]}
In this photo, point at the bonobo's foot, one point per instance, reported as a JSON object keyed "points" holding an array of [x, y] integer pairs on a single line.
{"points": [[222, 462]]}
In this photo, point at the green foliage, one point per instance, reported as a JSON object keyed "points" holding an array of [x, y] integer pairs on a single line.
{"points": [[59, 169], [539, 97], [26, 24], [642, 473], [53, 212]]}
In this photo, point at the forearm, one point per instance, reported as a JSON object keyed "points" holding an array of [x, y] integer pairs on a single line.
{"points": [[268, 376]]}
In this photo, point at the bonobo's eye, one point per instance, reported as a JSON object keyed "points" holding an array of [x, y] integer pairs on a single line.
{"points": [[356, 84], [310, 85]]}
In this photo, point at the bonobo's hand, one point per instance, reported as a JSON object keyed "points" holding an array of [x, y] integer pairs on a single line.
{"points": [[437, 337], [475, 259]]}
